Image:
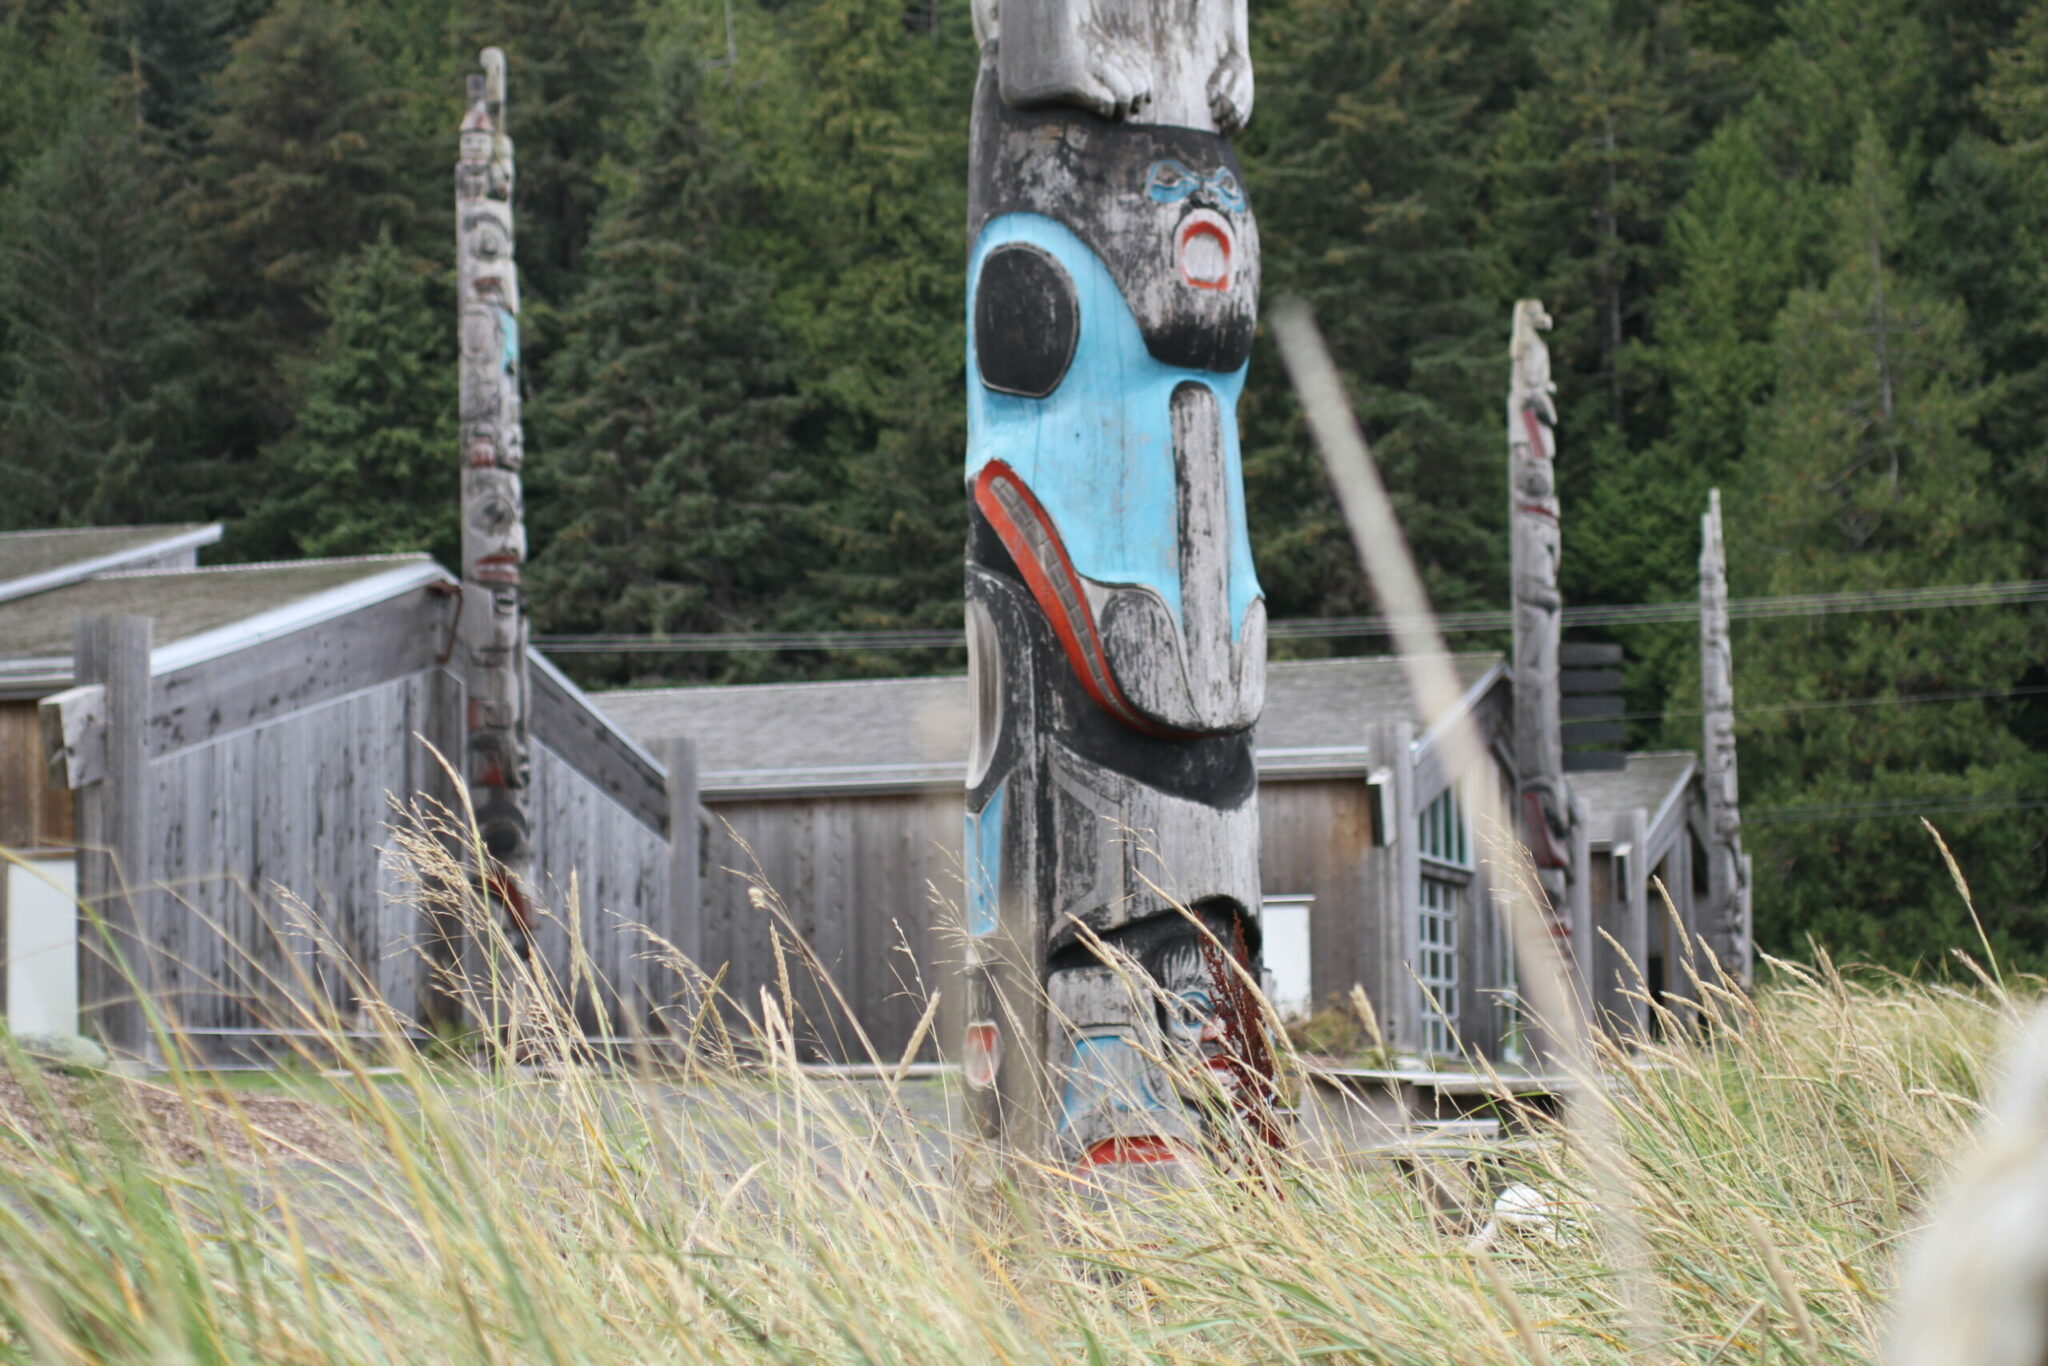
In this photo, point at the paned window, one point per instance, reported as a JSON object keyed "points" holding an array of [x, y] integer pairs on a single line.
{"points": [[1446, 847]]}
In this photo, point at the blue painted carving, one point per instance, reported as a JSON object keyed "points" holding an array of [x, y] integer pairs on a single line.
{"points": [[984, 858], [1098, 451]]}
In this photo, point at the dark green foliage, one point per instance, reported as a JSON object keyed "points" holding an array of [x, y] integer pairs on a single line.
{"points": [[367, 468], [679, 500], [298, 172], [98, 361]]}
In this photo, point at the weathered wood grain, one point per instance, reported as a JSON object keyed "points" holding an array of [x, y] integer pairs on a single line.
{"points": [[32, 814], [274, 679], [115, 835]]}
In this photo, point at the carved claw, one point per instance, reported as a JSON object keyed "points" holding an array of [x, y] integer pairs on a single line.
{"points": [[1117, 87], [1230, 92]]}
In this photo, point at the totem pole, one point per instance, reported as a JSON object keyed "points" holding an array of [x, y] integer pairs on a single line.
{"points": [[1548, 812], [492, 625], [1728, 888], [1117, 633]]}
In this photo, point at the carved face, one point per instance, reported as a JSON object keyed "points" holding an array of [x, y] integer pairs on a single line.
{"points": [[1191, 1016], [1202, 238]]}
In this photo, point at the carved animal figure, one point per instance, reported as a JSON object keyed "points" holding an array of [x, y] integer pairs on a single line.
{"points": [[1116, 627]]}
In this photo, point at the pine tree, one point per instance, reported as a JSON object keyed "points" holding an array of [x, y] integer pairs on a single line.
{"points": [[1364, 160], [1866, 474], [98, 360], [681, 502], [865, 197], [49, 73], [299, 172], [371, 465]]}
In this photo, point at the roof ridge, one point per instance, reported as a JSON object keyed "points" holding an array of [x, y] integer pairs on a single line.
{"points": [[407, 557]]}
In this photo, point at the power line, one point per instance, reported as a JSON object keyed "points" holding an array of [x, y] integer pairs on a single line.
{"points": [[1816, 704], [1913, 807], [1326, 628]]}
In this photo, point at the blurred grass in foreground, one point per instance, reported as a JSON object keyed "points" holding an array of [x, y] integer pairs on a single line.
{"points": [[493, 1210]]}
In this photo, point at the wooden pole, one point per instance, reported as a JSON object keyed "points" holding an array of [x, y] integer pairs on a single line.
{"points": [[1728, 885], [493, 621], [685, 850], [114, 850], [1548, 816], [1117, 632]]}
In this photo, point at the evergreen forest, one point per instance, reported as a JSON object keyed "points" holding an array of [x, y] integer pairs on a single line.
{"points": [[1795, 250]]}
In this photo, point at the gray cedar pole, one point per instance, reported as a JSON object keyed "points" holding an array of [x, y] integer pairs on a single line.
{"points": [[114, 864], [1728, 891], [1546, 805], [685, 927], [1116, 633], [493, 626]]}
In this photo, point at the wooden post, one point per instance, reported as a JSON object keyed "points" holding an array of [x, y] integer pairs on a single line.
{"points": [[1548, 814], [114, 849], [1728, 926], [685, 850], [1117, 632], [493, 624]]}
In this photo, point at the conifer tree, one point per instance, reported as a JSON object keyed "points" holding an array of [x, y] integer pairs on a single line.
{"points": [[1364, 161], [97, 366], [370, 465], [675, 497], [299, 171], [1866, 473], [865, 204]]}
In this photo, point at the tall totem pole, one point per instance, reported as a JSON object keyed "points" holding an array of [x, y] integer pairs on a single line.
{"points": [[1549, 815], [1728, 870], [1116, 629], [492, 626]]}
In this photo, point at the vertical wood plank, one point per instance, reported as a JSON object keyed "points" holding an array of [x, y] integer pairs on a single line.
{"points": [[114, 835]]}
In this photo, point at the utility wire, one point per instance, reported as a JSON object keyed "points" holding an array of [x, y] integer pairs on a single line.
{"points": [[1324, 628], [1906, 807], [1816, 704]]}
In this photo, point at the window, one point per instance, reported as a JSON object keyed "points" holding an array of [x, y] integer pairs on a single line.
{"points": [[1446, 848]]}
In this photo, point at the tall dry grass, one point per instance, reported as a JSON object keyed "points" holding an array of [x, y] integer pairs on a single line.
{"points": [[536, 1200]]}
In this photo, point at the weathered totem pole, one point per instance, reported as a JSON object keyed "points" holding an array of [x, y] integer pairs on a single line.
{"points": [[1117, 633], [492, 627], [1728, 869], [1548, 812]]}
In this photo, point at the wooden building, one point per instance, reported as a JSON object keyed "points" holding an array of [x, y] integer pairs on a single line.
{"points": [[253, 727], [846, 799]]}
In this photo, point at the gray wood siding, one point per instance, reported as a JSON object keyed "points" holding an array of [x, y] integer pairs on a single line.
{"points": [[872, 885], [294, 811], [603, 874], [1315, 838]]}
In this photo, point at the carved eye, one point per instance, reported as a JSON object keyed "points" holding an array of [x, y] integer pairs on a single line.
{"points": [[1169, 181], [1026, 321], [1227, 189]]}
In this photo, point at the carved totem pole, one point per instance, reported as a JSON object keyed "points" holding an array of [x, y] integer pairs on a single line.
{"points": [[1116, 629], [493, 614], [1549, 814], [1728, 870]]}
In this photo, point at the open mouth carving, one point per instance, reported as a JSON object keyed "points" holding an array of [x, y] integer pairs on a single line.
{"points": [[1204, 249]]}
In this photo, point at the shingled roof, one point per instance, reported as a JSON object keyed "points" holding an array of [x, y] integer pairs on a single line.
{"points": [[911, 733], [197, 612], [36, 561]]}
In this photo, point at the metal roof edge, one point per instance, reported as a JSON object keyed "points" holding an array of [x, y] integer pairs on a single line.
{"points": [[80, 570], [295, 616], [1468, 702], [1655, 833], [535, 658]]}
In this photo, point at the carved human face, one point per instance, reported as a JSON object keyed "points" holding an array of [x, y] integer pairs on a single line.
{"points": [[1202, 233], [1192, 1015]]}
